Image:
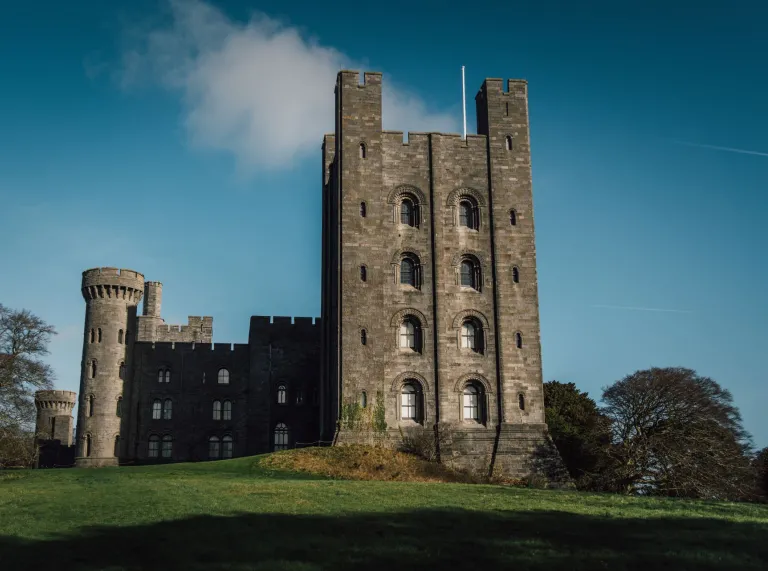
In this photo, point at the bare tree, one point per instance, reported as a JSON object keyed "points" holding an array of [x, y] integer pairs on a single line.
{"points": [[678, 434], [24, 338]]}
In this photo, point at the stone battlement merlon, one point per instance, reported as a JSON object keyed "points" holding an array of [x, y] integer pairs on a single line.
{"points": [[56, 396], [235, 348], [351, 77], [113, 283], [263, 328]]}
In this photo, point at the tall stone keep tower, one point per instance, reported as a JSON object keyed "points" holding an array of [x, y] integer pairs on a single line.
{"points": [[54, 415], [111, 296]]}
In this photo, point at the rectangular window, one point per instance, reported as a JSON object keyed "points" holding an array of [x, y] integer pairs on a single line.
{"points": [[154, 448], [408, 409], [227, 410], [157, 410]]}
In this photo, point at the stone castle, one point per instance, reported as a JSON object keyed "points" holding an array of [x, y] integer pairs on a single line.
{"points": [[429, 326]]}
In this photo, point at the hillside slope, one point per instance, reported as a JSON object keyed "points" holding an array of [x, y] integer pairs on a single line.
{"points": [[247, 515]]}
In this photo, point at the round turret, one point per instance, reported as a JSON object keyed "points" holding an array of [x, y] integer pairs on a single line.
{"points": [[54, 415], [111, 296]]}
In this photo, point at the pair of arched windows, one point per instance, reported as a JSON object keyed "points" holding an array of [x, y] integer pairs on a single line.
{"points": [[222, 410], [164, 375], [281, 436], [220, 448], [96, 335], [160, 447], [162, 409]]}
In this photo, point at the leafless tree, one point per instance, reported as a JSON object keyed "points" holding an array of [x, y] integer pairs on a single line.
{"points": [[676, 433], [24, 338]]}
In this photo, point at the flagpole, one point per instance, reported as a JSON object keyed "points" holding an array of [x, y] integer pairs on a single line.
{"points": [[464, 101]]}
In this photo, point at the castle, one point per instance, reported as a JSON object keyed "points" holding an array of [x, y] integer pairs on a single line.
{"points": [[429, 325]]}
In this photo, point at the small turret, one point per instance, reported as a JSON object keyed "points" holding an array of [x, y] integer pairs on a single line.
{"points": [[111, 296], [54, 415]]}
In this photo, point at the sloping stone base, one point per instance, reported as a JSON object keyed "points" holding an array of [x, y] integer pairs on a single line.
{"points": [[91, 462], [509, 451]]}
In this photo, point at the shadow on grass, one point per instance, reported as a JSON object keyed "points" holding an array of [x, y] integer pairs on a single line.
{"points": [[420, 539]]}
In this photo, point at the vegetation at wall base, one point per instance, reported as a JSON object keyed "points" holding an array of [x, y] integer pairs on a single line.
{"points": [[247, 514]]}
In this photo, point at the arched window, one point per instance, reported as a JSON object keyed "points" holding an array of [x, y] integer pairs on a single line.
{"points": [[226, 410], [281, 436], [508, 143], [362, 210], [89, 406], [223, 377], [410, 271], [363, 151], [410, 334], [519, 340], [469, 274], [120, 336], [93, 369], [282, 394], [164, 375], [121, 370], [521, 401], [468, 214], [119, 407], [472, 336], [167, 409], [472, 403], [216, 410], [157, 409], [167, 447], [363, 274], [516, 275], [363, 337], [154, 446], [512, 218], [363, 399], [117, 446], [99, 334], [93, 336], [214, 448], [226, 446], [409, 212], [410, 405], [87, 445]]}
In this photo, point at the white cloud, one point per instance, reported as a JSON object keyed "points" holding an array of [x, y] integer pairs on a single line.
{"points": [[260, 90]]}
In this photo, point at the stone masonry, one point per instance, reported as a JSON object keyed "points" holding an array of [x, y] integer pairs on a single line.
{"points": [[429, 303]]}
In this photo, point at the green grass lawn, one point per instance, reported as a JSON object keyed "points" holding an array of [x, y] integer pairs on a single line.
{"points": [[237, 516]]}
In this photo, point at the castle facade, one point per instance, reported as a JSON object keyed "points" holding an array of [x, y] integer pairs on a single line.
{"points": [[429, 328]]}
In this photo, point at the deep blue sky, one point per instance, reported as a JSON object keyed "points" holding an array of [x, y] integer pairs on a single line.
{"points": [[109, 157]]}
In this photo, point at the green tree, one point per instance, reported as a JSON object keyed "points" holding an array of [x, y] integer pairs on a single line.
{"points": [[761, 465], [24, 338], [676, 433], [580, 432]]}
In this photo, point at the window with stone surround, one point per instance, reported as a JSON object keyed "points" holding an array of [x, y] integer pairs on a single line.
{"points": [[469, 214], [409, 211], [472, 335], [157, 409], [214, 448], [410, 402], [470, 273], [410, 271], [282, 394], [410, 338], [473, 399], [167, 446], [281, 436], [223, 377], [154, 446]]}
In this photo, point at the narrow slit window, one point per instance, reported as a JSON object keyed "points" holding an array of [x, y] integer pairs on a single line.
{"points": [[508, 143], [515, 275], [363, 210], [363, 151], [99, 334], [521, 401], [120, 336], [363, 337], [93, 369], [363, 274], [518, 340], [512, 218]]}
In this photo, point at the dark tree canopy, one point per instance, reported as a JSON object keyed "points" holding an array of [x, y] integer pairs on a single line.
{"points": [[761, 465], [677, 433], [24, 339], [580, 432]]}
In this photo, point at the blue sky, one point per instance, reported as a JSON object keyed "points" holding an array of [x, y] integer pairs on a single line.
{"points": [[182, 139]]}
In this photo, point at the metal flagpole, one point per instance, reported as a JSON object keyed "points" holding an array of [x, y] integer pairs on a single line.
{"points": [[464, 101]]}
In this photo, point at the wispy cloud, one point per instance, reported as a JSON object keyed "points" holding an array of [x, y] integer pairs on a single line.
{"points": [[717, 148], [659, 309], [261, 90]]}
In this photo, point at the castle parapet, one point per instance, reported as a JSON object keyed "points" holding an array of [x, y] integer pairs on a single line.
{"points": [[113, 283]]}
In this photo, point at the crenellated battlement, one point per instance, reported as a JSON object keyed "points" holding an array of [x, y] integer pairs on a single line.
{"points": [[347, 77], [113, 283], [263, 328], [61, 400], [219, 348]]}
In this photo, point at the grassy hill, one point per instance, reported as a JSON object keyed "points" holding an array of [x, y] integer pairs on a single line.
{"points": [[251, 514]]}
